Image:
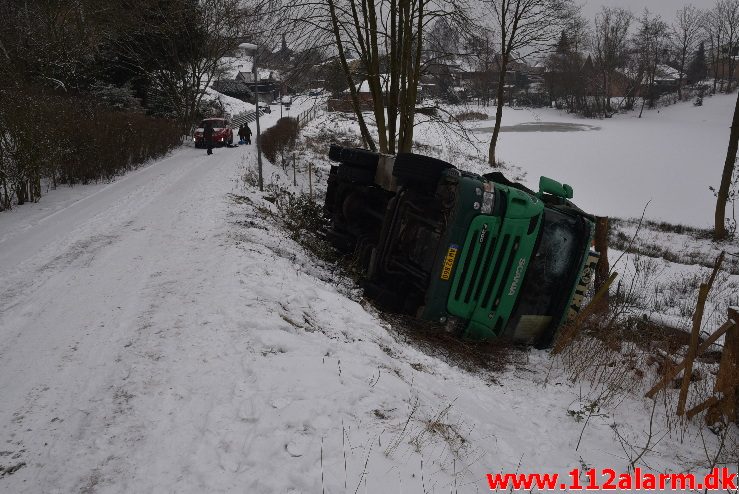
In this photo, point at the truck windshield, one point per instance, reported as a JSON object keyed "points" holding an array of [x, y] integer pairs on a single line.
{"points": [[551, 275]]}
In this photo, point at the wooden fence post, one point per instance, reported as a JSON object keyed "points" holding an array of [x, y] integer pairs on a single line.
{"points": [[310, 180], [724, 400], [679, 367], [295, 180], [694, 335], [726, 380], [693, 347], [571, 328]]}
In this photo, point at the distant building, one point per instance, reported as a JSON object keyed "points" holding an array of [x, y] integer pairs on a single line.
{"points": [[235, 88]]}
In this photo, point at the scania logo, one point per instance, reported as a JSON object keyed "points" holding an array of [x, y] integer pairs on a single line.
{"points": [[517, 276]]}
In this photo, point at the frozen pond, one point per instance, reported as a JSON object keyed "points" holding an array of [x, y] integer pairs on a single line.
{"points": [[542, 127]]}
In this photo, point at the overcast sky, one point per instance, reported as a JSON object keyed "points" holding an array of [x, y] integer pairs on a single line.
{"points": [[666, 8]]}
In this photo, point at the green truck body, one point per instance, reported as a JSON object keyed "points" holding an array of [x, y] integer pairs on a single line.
{"points": [[497, 258]]}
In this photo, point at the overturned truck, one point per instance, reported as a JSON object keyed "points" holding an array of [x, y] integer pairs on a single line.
{"points": [[475, 252]]}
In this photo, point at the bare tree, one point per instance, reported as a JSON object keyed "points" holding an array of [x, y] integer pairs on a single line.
{"points": [[610, 46], [731, 28], [722, 196], [721, 26], [568, 76], [686, 35], [388, 38], [651, 44], [524, 27], [444, 51], [713, 28], [179, 46], [483, 58], [53, 43]]}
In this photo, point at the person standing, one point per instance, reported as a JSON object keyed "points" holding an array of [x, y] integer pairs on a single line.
{"points": [[247, 133], [242, 134], [208, 136]]}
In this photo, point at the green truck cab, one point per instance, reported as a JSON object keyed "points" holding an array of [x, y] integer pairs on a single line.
{"points": [[444, 245]]}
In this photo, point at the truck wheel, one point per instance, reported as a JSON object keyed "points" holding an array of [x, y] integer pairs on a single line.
{"points": [[334, 152], [356, 175], [332, 188], [360, 158], [419, 169]]}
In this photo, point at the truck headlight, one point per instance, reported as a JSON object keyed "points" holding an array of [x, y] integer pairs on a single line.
{"points": [[488, 199]]}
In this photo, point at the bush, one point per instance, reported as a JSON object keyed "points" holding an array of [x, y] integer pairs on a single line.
{"points": [[278, 141], [472, 115], [62, 139]]}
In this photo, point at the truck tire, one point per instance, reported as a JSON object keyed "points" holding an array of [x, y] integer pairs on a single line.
{"points": [[360, 158], [334, 152], [356, 175], [419, 169]]}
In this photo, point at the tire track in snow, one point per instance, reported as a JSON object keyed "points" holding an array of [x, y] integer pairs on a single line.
{"points": [[75, 314]]}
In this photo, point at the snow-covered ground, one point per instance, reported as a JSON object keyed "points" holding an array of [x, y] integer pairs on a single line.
{"points": [[163, 333]]}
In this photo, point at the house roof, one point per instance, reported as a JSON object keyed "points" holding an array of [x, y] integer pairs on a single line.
{"points": [[363, 86], [667, 73], [264, 74]]}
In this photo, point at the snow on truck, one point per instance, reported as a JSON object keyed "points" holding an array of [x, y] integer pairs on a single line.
{"points": [[447, 245]]}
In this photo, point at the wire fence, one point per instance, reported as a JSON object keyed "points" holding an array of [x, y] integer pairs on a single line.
{"points": [[247, 117], [308, 115], [244, 117]]}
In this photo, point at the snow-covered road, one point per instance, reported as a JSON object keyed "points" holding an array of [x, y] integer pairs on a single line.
{"points": [[81, 289], [163, 334]]}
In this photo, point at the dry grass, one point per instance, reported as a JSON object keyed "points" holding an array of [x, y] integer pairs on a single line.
{"points": [[320, 142], [482, 358], [620, 351], [692, 250]]}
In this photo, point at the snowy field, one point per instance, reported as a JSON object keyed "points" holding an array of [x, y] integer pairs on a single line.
{"points": [[668, 158], [163, 333]]}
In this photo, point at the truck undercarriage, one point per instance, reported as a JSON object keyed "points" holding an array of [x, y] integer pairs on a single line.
{"points": [[442, 244]]}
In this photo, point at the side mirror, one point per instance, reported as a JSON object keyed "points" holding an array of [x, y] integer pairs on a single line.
{"points": [[549, 186], [568, 190]]}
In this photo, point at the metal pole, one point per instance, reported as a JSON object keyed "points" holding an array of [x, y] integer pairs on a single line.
{"points": [[256, 97]]}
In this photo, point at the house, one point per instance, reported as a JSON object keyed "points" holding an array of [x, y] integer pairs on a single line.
{"points": [[269, 85], [666, 79], [235, 88], [728, 65], [344, 102], [364, 95]]}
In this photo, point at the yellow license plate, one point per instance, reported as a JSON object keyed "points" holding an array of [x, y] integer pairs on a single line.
{"points": [[451, 256]]}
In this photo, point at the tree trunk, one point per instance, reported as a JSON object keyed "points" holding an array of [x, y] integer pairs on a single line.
{"points": [[683, 56], [20, 193], [366, 136], [409, 112], [716, 59], [732, 65], [394, 89], [723, 191], [498, 111], [376, 85]]}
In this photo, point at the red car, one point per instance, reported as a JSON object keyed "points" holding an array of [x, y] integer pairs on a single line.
{"points": [[222, 132]]}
